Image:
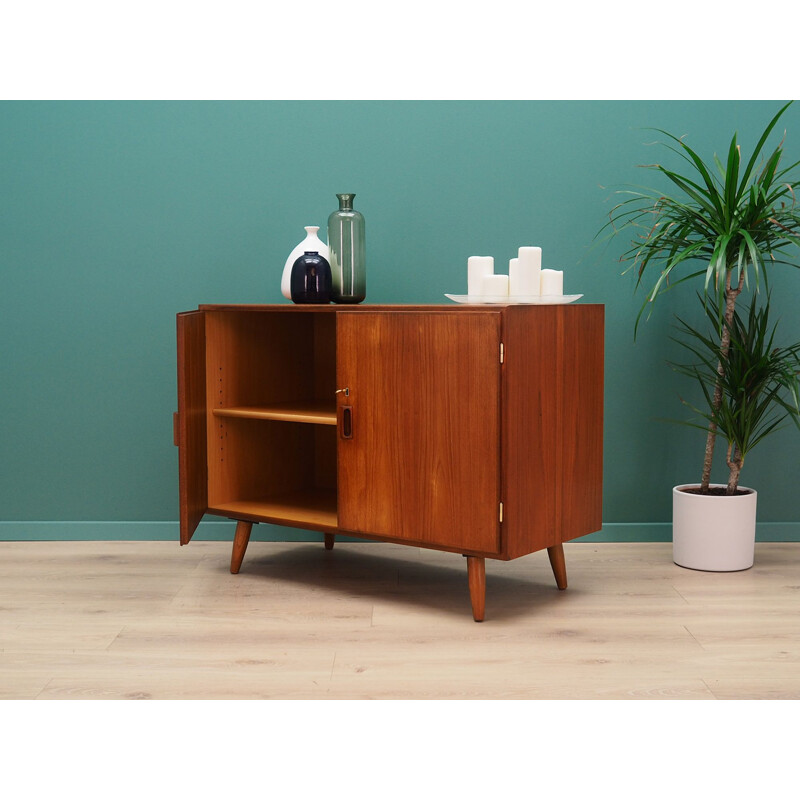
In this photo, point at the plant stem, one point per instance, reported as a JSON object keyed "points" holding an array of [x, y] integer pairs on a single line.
{"points": [[735, 466], [725, 344]]}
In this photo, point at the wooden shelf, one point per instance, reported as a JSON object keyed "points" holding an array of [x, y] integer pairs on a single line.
{"points": [[314, 411], [312, 509]]}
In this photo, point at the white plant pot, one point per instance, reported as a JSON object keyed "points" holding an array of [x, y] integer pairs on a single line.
{"points": [[713, 533]]}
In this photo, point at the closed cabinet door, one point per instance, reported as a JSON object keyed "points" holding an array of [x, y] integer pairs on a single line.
{"points": [[419, 426]]}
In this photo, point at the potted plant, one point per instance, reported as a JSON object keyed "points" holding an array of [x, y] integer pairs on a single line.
{"points": [[757, 390], [724, 227]]}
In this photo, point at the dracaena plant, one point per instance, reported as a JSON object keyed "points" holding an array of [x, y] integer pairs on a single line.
{"points": [[723, 225], [759, 387]]}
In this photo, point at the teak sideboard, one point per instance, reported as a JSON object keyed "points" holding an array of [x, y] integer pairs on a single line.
{"points": [[471, 429]]}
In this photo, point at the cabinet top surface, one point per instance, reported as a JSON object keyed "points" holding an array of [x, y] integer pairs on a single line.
{"points": [[334, 308]]}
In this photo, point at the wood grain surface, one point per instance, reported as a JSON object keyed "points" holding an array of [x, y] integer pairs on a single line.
{"points": [[431, 433], [552, 425], [191, 422], [581, 455], [423, 460], [151, 620], [310, 411]]}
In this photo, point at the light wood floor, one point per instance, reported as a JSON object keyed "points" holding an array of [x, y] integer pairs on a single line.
{"points": [[140, 620]]}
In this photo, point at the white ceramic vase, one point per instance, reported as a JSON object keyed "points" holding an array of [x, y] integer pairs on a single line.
{"points": [[311, 242], [713, 533]]}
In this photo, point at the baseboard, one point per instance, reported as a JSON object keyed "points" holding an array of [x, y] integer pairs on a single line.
{"points": [[662, 532], [215, 531]]}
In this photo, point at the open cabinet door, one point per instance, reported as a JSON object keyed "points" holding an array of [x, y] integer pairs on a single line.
{"points": [[191, 422]]}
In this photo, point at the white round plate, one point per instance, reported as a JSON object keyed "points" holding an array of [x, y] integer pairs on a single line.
{"points": [[533, 300]]}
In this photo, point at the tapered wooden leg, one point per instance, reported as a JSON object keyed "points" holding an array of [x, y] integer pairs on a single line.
{"points": [[240, 540], [476, 572], [330, 538], [556, 554]]}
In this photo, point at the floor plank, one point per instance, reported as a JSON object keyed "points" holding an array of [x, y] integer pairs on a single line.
{"points": [[152, 620]]}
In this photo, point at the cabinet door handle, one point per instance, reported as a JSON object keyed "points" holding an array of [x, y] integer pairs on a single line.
{"points": [[346, 422]]}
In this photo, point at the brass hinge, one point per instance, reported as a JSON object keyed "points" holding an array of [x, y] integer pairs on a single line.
{"points": [[502, 352], [501, 512]]}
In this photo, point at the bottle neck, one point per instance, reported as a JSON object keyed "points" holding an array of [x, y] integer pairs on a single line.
{"points": [[345, 202]]}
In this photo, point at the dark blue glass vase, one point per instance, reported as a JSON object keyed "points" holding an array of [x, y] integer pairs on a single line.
{"points": [[311, 279]]}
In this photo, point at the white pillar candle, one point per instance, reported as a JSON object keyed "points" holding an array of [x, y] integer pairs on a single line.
{"points": [[524, 278], [552, 282], [495, 285], [478, 267]]}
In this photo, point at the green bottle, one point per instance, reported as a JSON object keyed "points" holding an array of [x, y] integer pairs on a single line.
{"points": [[347, 252]]}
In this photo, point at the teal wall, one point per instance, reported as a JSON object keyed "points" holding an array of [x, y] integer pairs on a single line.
{"points": [[116, 215]]}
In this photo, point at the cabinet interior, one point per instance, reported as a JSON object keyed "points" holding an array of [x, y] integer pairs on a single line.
{"points": [[271, 421]]}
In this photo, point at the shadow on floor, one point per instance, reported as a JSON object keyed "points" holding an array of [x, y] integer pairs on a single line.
{"points": [[386, 577]]}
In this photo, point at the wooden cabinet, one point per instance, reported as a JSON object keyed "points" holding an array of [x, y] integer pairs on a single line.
{"points": [[470, 429]]}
